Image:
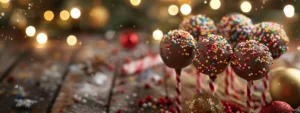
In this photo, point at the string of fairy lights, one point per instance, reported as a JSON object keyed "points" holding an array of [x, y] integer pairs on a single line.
{"points": [[185, 9], [41, 37]]}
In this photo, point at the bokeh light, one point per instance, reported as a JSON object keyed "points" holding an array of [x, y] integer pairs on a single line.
{"points": [[215, 4], [48, 15], [75, 13], [30, 31], [289, 11], [157, 34], [71, 40], [4, 1], [135, 2], [246, 6], [173, 10], [99, 17], [64, 15], [185, 9], [41, 38]]}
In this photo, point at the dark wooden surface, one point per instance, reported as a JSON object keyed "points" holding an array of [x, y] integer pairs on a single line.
{"points": [[53, 75]]}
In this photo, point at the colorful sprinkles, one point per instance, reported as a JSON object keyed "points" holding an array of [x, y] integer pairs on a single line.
{"points": [[212, 55], [251, 60], [176, 48], [198, 25], [272, 35], [236, 28]]}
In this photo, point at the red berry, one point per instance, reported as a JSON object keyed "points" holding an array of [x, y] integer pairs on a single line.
{"points": [[149, 98], [147, 86]]}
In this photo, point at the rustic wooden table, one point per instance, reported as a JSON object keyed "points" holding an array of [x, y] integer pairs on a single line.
{"points": [[52, 78]]}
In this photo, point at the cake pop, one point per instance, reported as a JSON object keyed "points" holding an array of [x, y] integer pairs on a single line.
{"points": [[277, 107], [251, 60], [198, 25], [176, 49], [235, 28], [203, 103], [272, 35], [212, 55]]}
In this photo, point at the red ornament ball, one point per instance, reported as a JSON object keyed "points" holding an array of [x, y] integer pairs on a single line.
{"points": [[129, 39], [277, 107]]}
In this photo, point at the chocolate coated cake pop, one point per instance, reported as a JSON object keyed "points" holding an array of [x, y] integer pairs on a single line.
{"points": [[251, 60], [198, 25], [212, 55], [236, 28], [272, 35], [176, 49]]}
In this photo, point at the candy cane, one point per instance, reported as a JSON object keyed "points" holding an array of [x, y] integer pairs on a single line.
{"points": [[227, 76], [249, 95], [212, 84], [231, 74], [147, 62], [198, 81], [178, 90], [263, 92]]}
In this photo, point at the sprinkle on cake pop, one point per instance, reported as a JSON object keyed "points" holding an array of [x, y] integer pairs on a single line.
{"points": [[236, 28], [176, 49], [212, 54], [251, 60], [272, 35], [198, 25]]}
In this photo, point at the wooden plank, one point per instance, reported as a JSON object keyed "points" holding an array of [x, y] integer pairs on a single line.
{"points": [[11, 54], [136, 88], [82, 92], [36, 78], [79, 92]]}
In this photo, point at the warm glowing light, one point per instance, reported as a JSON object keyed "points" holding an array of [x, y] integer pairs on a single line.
{"points": [[99, 17], [75, 13], [64, 15], [246, 6], [157, 34], [4, 1], [41, 38], [173, 10], [30, 31], [215, 4], [289, 11], [71, 40], [135, 2], [185, 9], [48, 15]]}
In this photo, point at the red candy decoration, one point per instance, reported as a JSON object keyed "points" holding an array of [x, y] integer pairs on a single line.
{"points": [[147, 86], [129, 39], [149, 98], [232, 108], [277, 107], [141, 102]]}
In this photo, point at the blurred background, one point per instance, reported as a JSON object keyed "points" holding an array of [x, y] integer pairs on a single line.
{"points": [[57, 18], [67, 55]]}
